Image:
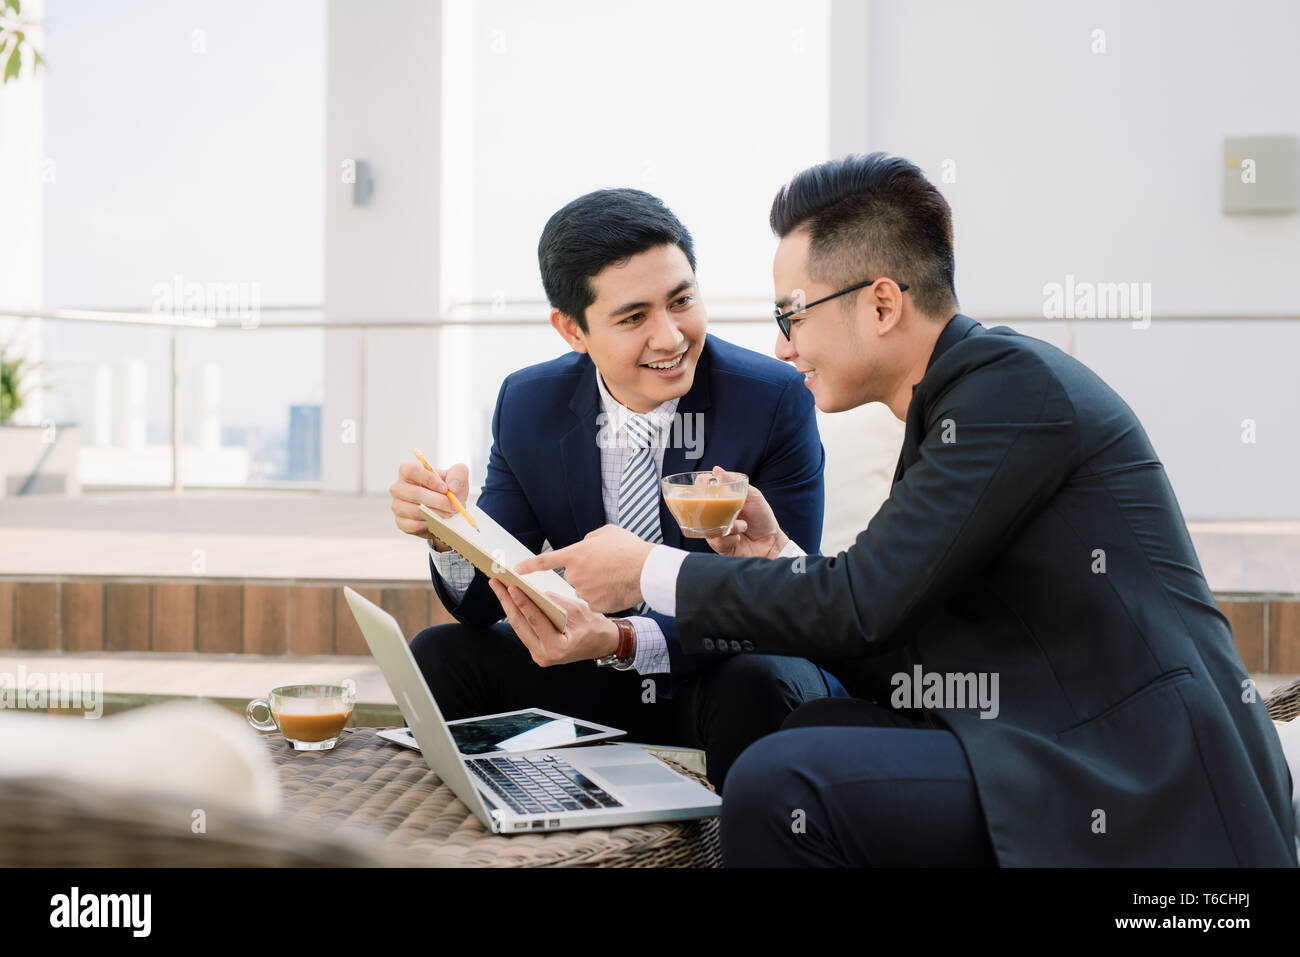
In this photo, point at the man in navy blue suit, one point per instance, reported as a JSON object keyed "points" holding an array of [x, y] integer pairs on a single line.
{"points": [[582, 441]]}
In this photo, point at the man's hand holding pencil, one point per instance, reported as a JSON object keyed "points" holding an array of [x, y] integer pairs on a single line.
{"points": [[419, 483]]}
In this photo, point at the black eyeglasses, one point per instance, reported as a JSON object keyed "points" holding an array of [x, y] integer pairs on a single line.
{"points": [[783, 318]]}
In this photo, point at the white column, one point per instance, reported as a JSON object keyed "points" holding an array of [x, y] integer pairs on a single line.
{"points": [[205, 406], [97, 406], [130, 404], [455, 379], [385, 260]]}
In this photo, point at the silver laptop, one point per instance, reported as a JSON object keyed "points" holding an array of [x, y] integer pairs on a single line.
{"points": [[576, 787]]}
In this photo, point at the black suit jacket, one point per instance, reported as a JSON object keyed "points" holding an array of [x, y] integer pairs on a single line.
{"points": [[543, 477], [1031, 532]]}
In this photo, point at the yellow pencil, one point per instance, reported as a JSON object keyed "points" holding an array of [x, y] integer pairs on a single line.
{"points": [[450, 494]]}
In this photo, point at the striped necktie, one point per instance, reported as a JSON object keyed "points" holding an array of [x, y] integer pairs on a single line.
{"points": [[638, 489]]}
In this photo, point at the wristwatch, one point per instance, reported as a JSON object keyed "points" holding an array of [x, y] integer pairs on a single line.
{"points": [[623, 657]]}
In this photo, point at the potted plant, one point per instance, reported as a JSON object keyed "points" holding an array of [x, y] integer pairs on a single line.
{"points": [[13, 373], [13, 37], [33, 458]]}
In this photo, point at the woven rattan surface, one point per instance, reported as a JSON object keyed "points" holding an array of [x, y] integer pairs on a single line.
{"points": [[367, 802], [1284, 703], [367, 781], [57, 822]]}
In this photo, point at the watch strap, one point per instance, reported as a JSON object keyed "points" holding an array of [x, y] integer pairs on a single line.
{"points": [[624, 655]]}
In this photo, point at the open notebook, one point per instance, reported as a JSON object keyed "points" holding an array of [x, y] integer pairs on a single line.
{"points": [[495, 552]]}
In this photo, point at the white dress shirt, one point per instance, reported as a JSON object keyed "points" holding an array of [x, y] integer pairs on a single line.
{"points": [[651, 646], [663, 564]]}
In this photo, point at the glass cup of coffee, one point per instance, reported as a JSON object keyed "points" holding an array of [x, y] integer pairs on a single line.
{"points": [[705, 503], [311, 717]]}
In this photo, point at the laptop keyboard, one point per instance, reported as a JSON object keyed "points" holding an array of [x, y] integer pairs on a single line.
{"points": [[536, 785]]}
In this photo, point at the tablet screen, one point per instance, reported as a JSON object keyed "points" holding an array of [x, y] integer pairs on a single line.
{"points": [[520, 731]]}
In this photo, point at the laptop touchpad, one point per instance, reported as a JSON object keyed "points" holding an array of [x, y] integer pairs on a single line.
{"points": [[632, 775]]}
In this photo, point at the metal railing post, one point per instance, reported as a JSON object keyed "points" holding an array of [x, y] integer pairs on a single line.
{"points": [[361, 414], [176, 411]]}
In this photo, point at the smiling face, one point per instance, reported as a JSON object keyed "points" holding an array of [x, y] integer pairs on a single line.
{"points": [[645, 329], [841, 365]]}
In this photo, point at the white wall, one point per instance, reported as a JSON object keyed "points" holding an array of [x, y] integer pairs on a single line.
{"points": [[1108, 167], [709, 106], [1105, 166]]}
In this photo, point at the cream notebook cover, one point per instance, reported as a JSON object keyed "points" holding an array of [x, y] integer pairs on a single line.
{"points": [[495, 552]]}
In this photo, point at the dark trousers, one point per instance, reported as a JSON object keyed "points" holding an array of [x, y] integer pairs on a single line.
{"points": [[724, 709], [849, 783]]}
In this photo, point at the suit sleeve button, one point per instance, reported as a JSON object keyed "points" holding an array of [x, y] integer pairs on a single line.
{"points": [[735, 645], [708, 644], [747, 645]]}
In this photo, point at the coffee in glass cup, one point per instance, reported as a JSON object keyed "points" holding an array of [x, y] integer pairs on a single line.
{"points": [[705, 504], [311, 717]]}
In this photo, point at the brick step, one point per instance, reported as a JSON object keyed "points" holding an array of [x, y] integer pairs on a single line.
{"points": [[302, 618], [218, 616], [1266, 630]]}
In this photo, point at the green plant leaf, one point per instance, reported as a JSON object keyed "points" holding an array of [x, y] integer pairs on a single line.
{"points": [[11, 68], [14, 4]]}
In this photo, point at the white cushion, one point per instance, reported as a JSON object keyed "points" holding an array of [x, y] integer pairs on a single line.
{"points": [[1289, 733], [191, 749]]}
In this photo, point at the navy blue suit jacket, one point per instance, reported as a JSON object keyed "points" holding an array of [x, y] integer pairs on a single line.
{"points": [[543, 477]]}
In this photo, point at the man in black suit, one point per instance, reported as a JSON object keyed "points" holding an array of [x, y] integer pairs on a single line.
{"points": [[1042, 675]]}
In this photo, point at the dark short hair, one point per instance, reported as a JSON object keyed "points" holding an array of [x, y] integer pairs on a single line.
{"points": [[872, 216], [594, 231]]}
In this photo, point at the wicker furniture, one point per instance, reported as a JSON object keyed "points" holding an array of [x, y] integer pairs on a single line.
{"points": [[1284, 703], [52, 822], [367, 803], [367, 781]]}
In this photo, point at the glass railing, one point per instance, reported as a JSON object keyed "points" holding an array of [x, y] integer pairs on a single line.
{"points": [[159, 401], [167, 402], [171, 402]]}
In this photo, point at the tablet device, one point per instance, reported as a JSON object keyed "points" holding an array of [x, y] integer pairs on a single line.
{"points": [[531, 729]]}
